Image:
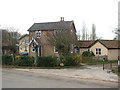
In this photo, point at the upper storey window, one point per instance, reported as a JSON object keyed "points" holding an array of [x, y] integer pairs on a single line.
{"points": [[38, 34]]}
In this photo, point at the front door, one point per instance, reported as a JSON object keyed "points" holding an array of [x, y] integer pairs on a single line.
{"points": [[39, 51]]}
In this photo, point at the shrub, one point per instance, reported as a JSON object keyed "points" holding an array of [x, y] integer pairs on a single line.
{"points": [[49, 61], [17, 57], [72, 60], [6, 60], [77, 59], [88, 54], [67, 60], [25, 61]]}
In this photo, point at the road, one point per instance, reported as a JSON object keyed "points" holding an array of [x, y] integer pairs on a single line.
{"points": [[13, 79]]}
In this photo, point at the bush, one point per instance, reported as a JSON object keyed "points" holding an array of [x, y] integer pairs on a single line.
{"points": [[6, 60], [77, 59], [67, 61], [72, 60], [49, 61], [17, 57], [88, 54], [25, 61]]}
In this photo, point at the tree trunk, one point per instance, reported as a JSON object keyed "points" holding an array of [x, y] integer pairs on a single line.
{"points": [[13, 58], [59, 58], [35, 57]]}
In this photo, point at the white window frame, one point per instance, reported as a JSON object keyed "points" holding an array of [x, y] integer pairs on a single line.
{"points": [[98, 51], [55, 50], [32, 48], [38, 34]]}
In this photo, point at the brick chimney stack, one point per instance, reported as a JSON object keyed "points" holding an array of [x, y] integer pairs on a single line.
{"points": [[62, 19]]}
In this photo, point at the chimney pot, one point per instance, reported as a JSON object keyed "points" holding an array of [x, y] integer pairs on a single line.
{"points": [[62, 18]]}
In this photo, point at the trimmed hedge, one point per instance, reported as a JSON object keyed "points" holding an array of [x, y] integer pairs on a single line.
{"points": [[50, 61], [6, 60], [25, 61]]}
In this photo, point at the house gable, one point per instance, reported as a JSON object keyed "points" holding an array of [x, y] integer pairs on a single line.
{"points": [[23, 44], [99, 46], [96, 42]]}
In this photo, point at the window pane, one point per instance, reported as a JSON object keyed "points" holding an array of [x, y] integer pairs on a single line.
{"points": [[99, 50], [99, 53], [96, 52]]}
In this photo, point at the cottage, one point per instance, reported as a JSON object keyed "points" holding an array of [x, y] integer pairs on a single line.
{"points": [[38, 34], [100, 48], [23, 44]]}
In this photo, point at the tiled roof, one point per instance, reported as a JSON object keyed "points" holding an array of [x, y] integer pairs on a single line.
{"points": [[107, 43], [51, 25], [110, 43], [85, 44], [23, 36]]}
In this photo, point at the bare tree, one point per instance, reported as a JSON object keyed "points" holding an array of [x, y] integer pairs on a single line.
{"points": [[12, 36], [93, 35], [63, 40], [117, 37], [84, 31], [78, 35]]}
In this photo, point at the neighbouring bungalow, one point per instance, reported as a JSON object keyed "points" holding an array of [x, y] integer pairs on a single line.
{"points": [[23, 45], [100, 48], [38, 34]]}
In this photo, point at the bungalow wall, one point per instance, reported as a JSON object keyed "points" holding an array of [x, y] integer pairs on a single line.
{"points": [[113, 54], [104, 50]]}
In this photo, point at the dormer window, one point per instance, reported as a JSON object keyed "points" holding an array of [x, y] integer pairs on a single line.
{"points": [[38, 34]]}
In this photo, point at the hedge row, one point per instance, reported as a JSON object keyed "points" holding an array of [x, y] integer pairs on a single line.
{"points": [[50, 61], [42, 61], [25, 61], [6, 60]]}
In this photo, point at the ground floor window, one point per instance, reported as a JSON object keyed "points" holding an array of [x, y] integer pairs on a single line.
{"points": [[33, 49], [98, 51], [55, 50], [77, 50]]}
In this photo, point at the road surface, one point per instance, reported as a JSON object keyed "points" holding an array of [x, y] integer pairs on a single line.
{"points": [[12, 79]]}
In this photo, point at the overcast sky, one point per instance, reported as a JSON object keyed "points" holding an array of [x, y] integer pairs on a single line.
{"points": [[22, 14]]}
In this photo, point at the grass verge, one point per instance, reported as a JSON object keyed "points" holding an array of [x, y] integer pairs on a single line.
{"points": [[115, 70], [25, 67], [95, 62]]}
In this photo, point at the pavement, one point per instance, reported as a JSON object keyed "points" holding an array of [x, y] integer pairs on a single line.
{"points": [[85, 72]]}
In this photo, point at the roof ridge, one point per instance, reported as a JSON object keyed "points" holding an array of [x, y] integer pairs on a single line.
{"points": [[52, 22]]}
